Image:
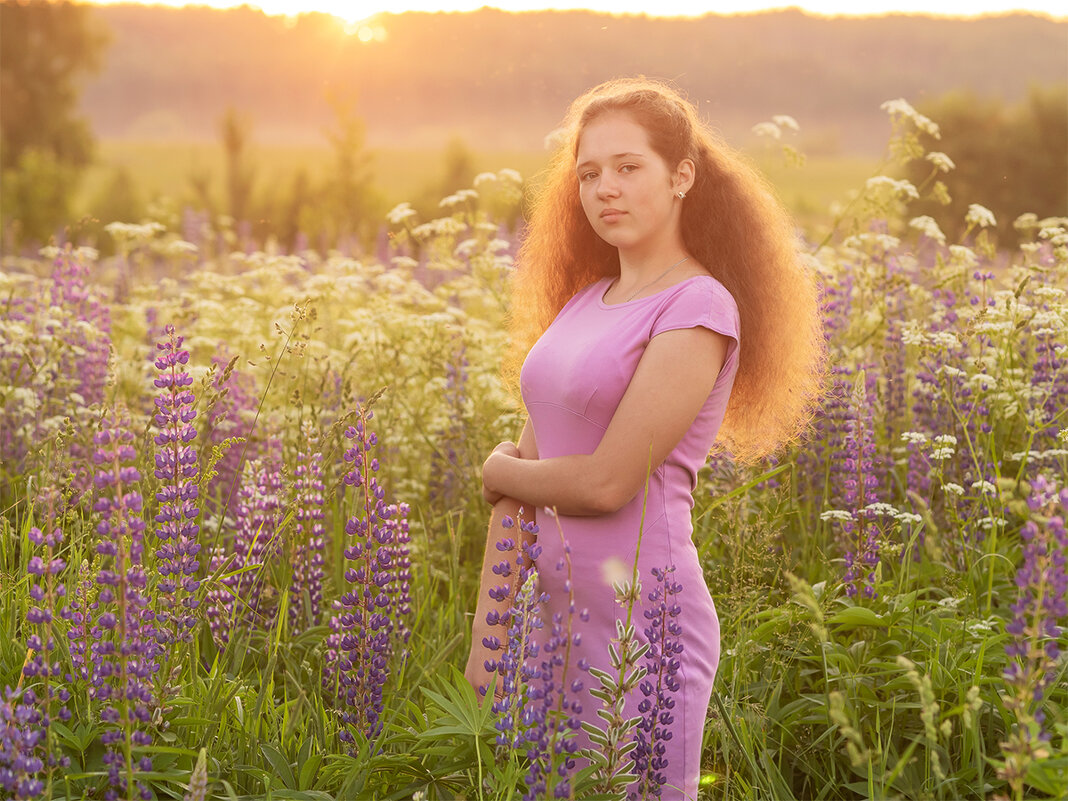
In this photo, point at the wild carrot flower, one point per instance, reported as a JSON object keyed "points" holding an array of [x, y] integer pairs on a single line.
{"points": [[660, 685], [177, 469]]}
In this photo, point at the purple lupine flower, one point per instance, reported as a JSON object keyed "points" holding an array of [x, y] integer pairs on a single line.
{"points": [[1041, 608], [309, 535], [370, 616], [21, 736], [447, 478], [660, 685], [859, 482], [55, 350], [1049, 383], [46, 592], [255, 540], [79, 617], [177, 469], [124, 653], [537, 703], [229, 420], [553, 704]]}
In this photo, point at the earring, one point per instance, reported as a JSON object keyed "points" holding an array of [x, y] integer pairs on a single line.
{"points": [[681, 195]]}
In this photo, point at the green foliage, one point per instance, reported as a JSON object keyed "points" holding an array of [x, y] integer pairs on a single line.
{"points": [[1010, 158], [819, 694], [44, 49]]}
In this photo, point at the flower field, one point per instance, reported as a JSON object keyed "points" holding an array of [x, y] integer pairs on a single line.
{"points": [[242, 526]]}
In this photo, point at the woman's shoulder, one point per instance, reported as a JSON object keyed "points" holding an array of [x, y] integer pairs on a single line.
{"points": [[702, 285], [700, 300]]}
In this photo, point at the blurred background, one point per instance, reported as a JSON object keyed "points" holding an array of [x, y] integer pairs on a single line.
{"points": [[303, 129]]}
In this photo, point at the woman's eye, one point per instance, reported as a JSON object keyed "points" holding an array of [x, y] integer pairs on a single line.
{"points": [[588, 176], [628, 168]]}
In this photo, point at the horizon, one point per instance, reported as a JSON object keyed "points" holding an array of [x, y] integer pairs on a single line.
{"points": [[343, 10]]}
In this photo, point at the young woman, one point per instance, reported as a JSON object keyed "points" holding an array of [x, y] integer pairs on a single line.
{"points": [[659, 306]]}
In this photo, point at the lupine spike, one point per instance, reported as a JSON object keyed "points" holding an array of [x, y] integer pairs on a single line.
{"points": [[179, 508]]}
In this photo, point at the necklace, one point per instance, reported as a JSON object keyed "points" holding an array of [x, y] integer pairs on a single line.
{"points": [[646, 286]]}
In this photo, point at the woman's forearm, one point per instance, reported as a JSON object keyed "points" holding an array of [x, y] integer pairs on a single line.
{"points": [[573, 485]]}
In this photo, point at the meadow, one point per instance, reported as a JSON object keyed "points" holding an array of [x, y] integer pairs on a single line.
{"points": [[242, 522], [162, 174]]}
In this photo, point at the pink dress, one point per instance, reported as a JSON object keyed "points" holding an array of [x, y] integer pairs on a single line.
{"points": [[572, 381]]}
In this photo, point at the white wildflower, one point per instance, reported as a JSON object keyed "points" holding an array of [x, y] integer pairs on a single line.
{"points": [[941, 161], [953, 489], [950, 602], [880, 509], [961, 256], [912, 333], [885, 186], [909, 518], [945, 445], [786, 122], [983, 380], [985, 487], [178, 247], [465, 249], [404, 262], [836, 514], [400, 213], [943, 339], [1027, 221], [980, 628], [877, 241], [988, 522], [914, 437], [929, 228], [980, 215], [1062, 435], [484, 178], [768, 129], [1049, 292], [510, 175], [1056, 235], [903, 109]]}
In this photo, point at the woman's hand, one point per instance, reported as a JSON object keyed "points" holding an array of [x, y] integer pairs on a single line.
{"points": [[509, 449]]}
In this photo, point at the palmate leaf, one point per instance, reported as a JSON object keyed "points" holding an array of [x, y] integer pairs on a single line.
{"points": [[462, 712]]}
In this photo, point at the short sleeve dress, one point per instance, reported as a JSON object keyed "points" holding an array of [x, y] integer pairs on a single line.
{"points": [[572, 382]]}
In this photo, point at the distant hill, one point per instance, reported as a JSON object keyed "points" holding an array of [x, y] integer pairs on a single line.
{"points": [[499, 79]]}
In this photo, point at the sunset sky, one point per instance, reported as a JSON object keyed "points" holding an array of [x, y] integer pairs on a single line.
{"points": [[352, 10]]}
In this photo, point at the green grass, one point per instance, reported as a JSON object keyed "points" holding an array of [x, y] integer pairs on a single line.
{"points": [[167, 169]]}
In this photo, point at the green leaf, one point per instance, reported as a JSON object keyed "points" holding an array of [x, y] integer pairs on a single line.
{"points": [[855, 616], [280, 764]]}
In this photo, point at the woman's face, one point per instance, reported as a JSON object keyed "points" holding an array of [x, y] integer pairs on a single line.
{"points": [[627, 190]]}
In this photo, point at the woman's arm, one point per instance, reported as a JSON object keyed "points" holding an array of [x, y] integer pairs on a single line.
{"points": [[670, 385], [503, 506]]}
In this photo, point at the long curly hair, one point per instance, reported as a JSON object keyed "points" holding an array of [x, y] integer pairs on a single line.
{"points": [[731, 223]]}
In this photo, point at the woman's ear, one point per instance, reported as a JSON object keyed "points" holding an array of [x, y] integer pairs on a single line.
{"points": [[684, 176]]}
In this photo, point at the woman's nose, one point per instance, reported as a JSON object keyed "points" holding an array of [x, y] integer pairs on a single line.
{"points": [[607, 186]]}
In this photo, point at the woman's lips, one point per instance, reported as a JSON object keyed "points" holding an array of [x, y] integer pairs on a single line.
{"points": [[611, 215]]}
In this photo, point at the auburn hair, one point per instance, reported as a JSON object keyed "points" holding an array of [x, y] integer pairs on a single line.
{"points": [[732, 224]]}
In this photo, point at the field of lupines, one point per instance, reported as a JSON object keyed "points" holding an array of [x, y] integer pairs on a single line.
{"points": [[242, 527]]}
